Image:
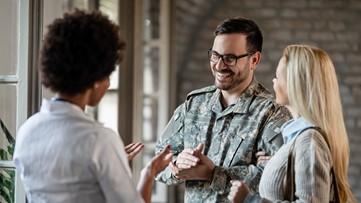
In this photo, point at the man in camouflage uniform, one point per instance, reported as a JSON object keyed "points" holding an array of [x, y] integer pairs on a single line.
{"points": [[216, 132]]}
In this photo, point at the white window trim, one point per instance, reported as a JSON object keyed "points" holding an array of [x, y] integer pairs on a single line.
{"points": [[164, 77]]}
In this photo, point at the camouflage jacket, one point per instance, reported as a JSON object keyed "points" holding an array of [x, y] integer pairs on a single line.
{"points": [[231, 138]]}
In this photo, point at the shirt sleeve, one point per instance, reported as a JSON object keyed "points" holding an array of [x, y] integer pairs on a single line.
{"points": [[112, 169], [249, 174], [254, 197], [172, 135]]}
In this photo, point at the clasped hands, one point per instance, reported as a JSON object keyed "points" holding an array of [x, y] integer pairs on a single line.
{"points": [[191, 164]]}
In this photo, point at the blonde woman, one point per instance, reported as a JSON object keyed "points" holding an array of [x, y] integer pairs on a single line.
{"points": [[306, 84]]}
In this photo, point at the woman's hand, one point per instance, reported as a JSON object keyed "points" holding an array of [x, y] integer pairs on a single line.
{"points": [[133, 149], [238, 191], [157, 164]]}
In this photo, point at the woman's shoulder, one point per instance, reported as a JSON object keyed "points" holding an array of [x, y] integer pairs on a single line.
{"points": [[310, 135], [105, 133], [312, 141]]}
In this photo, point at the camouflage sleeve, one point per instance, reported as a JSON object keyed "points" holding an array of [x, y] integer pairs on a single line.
{"points": [[270, 141], [172, 135], [249, 174], [254, 197]]}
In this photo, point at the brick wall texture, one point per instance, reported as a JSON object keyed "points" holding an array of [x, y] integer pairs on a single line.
{"points": [[333, 25]]}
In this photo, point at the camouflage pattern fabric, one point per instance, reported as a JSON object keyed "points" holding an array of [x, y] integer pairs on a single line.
{"points": [[231, 137]]}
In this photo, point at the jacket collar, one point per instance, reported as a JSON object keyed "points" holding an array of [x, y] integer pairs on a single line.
{"points": [[242, 104]]}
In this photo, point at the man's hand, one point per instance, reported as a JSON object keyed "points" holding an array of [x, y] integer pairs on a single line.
{"points": [[133, 149], [187, 159], [192, 165]]}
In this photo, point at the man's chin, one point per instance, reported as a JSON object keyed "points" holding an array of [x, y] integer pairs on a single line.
{"points": [[222, 86]]}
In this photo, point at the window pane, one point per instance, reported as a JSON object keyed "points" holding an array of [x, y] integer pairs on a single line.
{"points": [[71, 4], [7, 116], [114, 79], [110, 8], [107, 110], [8, 33], [151, 19], [150, 109], [151, 70], [150, 94]]}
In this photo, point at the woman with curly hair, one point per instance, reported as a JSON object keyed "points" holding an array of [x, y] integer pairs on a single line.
{"points": [[62, 154], [306, 84]]}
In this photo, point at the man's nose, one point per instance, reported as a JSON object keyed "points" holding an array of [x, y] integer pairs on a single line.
{"points": [[220, 64]]}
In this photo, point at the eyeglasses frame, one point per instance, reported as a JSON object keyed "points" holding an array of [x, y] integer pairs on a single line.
{"points": [[210, 52]]}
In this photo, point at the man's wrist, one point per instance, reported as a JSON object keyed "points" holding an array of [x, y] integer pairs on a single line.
{"points": [[211, 173]]}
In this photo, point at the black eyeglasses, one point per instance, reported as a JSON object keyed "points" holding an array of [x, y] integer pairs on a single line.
{"points": [[228, 59]]}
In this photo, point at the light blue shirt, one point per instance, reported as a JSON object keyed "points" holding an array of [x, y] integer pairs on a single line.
{"points": [[293, 127]]}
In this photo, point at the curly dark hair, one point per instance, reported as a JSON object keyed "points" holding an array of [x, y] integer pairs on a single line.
{"points": [[79, 49], [244, 26]]}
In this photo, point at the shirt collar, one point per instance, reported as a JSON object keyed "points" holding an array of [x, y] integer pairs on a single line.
{"points": [[291, 128], [243, 102], [62, 107]]}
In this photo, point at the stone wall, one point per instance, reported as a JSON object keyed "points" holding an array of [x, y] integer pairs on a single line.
{"points": [[333, 25]]}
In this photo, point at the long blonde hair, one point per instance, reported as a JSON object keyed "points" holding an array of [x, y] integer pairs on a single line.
{"points": [[312, 89]]}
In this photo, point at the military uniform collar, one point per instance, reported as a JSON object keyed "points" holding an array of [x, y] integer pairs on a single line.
{"points": [[243, 102]]}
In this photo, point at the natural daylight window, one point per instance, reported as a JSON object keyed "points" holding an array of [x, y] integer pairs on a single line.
{"points": [[152, 103]]}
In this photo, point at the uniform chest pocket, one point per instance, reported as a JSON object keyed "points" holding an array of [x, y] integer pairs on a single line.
{"points": [[195, 130], [241, 148]]}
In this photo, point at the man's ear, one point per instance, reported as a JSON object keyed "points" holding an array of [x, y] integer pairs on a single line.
{"points": [[255, 59]]}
